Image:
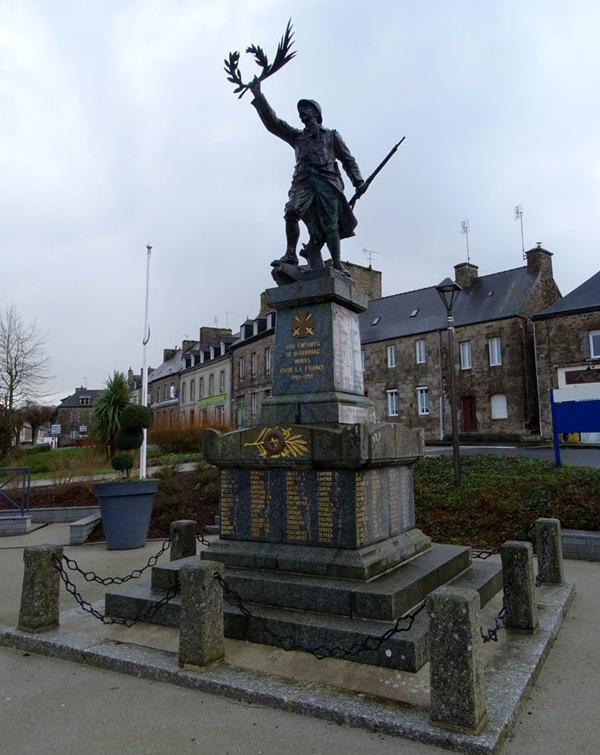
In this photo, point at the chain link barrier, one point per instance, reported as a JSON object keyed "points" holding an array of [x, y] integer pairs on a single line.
{"points": [[91, 576], [484, 553], [499, 623], [287, 642], [85, 605], [202, 540], [492, 634]]}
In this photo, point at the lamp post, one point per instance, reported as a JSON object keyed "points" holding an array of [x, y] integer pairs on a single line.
{"points": [[448, 290], [144, 446]]}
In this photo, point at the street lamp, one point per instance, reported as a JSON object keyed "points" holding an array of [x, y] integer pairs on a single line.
{"points": [[144, 446], [448, 290]]}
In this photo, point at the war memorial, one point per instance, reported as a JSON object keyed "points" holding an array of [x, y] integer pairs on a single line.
{"points": [[317, 550]]}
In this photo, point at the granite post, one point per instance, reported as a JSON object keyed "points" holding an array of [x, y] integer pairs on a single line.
{"points": [[549, 552], [183, 545], [456, 665], [201, 631], [519, 586], [39, 610]]}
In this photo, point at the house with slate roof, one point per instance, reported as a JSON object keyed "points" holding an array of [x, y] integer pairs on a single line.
{"points": [[205, 380], [567, 347], [74, 415], [163, 385], [405, 356]]}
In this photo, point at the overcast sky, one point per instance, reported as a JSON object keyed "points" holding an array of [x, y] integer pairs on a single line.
{"points": [[118, 128]]}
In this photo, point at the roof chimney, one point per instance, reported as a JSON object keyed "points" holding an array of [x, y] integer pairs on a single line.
{"points": [[539, 260], [465, 273]]}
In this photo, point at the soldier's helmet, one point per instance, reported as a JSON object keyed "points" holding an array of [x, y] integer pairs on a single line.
{"points": [[313, 104]]}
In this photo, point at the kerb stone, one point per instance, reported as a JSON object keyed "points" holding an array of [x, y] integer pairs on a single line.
{"points": [[519, 586], [183, 544], [549, 552], [201, 638], [40, 597], [456, 665]]}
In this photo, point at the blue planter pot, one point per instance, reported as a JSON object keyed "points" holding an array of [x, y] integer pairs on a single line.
{"points": [[126, 508]]}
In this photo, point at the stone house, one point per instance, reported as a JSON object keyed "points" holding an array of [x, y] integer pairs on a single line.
{"points": [[163, 385], [405, 352], [567, 348], [205, 380], [251, 369], [74, 419]]}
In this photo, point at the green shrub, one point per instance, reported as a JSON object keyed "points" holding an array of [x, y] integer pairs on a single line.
{"points": [[501, 497], [122, 462]]}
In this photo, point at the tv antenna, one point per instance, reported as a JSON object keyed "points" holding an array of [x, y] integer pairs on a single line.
{"points": [[369, 254], [227, 313], [519, 217], [464, 228]]}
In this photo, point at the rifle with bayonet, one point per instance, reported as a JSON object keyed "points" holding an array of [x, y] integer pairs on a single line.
{"points": [[369, 180]]}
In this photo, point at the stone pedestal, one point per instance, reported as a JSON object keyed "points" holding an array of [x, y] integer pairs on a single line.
{"points": [[317, 376], [317, 521]]}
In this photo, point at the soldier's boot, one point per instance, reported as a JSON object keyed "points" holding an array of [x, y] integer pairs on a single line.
{"points": [[333, 244], [292, 232]]}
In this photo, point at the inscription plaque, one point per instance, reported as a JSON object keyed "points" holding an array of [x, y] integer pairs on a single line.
{"points": [[334, 507]]}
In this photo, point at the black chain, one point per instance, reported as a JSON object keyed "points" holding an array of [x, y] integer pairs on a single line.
{"points": [[287, 642], [85, 605], [203, 540], [499, 623], [91, 576], [483, 553]]}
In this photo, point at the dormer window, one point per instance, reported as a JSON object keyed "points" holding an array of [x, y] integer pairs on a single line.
{"points": [[85, 401]]}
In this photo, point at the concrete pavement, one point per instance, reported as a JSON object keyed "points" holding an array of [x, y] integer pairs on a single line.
{"points": [[49, 705]]}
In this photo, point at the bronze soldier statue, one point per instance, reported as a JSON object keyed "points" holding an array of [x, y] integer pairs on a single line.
{"points": [[316, 195]]}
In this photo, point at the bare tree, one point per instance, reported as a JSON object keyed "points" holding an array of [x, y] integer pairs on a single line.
{"points": [[23, 360]]}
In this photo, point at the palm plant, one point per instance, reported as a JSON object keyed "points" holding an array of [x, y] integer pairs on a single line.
{"points": [[107, 411]]}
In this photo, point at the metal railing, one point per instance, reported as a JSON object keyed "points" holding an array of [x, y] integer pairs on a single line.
{"points": [[15, 479]]}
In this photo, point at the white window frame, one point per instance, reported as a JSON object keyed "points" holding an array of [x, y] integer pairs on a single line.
{"points": [[193, 389], [422, 400], [392, 403], [594, 336], [268, 360], [222, 381], [200, 387], [211, 384], [391, 356], [420, 352], [241, 368], [253, 364], [466, 355], [498, 406], [495, 351], [253, 404], [183, 391]]}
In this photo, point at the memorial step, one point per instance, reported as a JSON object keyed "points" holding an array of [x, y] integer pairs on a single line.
{"points": [[134, 600], [308, 628], [384, 598]]}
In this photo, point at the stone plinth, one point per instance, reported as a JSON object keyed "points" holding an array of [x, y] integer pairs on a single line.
{"points": [[317, 374], [297, 487]]}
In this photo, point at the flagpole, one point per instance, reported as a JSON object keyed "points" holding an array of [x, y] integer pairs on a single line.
{"points": [[144, 446]]}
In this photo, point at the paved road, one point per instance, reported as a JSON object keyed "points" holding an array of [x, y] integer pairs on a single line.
{"points": [[580, 457]]}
